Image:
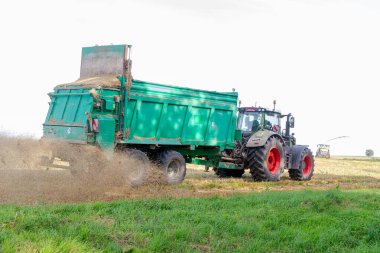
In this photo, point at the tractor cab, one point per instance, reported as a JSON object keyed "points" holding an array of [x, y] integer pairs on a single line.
{"points": [[253, 119]]}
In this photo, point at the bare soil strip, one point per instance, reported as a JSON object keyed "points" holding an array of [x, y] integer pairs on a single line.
{"points": [[23, 181]]}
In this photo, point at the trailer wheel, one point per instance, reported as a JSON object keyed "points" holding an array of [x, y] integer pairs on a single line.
{"points": [[137, 175], [305, 168], [221, 172], [173, 165], [266, 163]]}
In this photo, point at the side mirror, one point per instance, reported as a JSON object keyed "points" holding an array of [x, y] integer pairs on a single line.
{"points": [[291, 122]]}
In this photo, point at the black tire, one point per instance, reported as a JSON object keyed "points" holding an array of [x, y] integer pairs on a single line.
{"points": [[266, 163], [173, 165], [221, 172], [137, 175], [305, 169], [237, 173]]}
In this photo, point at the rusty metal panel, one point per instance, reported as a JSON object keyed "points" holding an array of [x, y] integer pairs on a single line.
{"points": [[103, 60], [67, 117]]}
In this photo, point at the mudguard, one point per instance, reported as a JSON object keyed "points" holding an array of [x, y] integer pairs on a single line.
{"points": [[296, 152], [259, 138], [106, 135]]}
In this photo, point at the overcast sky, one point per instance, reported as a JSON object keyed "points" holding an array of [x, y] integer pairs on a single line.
{"points": [[320, 59]]}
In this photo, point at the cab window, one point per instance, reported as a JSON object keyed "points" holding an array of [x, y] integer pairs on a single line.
{"points": [[249, 121], [272, 121]]}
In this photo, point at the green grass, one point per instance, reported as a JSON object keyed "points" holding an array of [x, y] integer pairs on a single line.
{"points": [[309, 221]]}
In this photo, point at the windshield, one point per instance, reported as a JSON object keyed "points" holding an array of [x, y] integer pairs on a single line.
{"points": [[272, 121], [249, 121]]}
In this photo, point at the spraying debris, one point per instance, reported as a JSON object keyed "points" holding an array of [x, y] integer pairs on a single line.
{"points": [[24, 180]]}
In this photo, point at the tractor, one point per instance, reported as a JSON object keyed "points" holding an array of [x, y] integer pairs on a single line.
{"points": [[265, 149], [323, 150]]}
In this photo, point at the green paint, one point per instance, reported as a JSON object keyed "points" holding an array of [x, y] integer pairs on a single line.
{"points": [[155, 114], [209, 163], [238, 135], [190, 117], [72, 134], [67, 118], [227, 165], [196, 123], [106, 135]]}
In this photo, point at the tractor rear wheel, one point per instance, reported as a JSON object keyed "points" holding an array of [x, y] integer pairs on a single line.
{"points": [[305, 168], [173, 165], [266, 163]]}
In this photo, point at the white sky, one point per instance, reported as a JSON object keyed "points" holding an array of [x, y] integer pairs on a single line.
{"points": [[320, 59]]}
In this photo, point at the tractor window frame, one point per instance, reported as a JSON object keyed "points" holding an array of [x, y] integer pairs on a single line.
{"points": [[271, 119], [247, 125]]}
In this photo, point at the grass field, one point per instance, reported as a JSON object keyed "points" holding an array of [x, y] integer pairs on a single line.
{"points": [[345, 173], [337, 211], [305, 221]]}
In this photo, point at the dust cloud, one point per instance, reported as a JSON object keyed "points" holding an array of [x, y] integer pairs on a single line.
{"points": [[39, 171], [94, 175]]}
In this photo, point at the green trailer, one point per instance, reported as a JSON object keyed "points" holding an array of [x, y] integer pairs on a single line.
{"points": [[167, 124], [106, 110]]}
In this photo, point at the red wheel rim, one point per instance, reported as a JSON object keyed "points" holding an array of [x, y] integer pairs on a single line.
{"points": [[273, 160], [307, 166]]}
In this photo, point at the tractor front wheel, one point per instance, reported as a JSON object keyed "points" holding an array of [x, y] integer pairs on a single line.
{"points": [[302, 169]]}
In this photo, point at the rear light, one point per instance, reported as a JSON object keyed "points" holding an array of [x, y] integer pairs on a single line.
{"points": [[95, 125], [98, 104]]}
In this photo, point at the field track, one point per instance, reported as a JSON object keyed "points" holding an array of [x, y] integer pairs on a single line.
{"points": [[37, 186]]}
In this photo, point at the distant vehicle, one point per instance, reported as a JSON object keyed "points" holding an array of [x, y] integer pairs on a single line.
{"points": [[323, 150], [369, 153]]}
